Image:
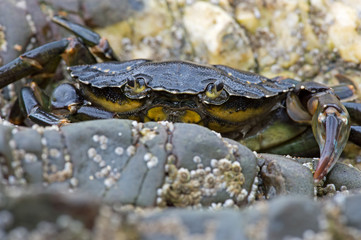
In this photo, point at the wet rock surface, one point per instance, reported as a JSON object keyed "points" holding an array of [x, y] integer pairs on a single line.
{"points": [[92, 220], [112, 169]]}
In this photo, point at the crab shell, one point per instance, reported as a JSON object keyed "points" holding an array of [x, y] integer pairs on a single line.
{"points": [[181, 91]]}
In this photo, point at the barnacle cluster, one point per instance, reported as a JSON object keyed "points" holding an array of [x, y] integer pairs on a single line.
{"points": [[185, 187]]}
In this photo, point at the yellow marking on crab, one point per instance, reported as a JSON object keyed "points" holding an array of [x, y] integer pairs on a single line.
{"points": [[106, 70], [235, 116], [129, 68], [191, 117], [156, 114], [126, 105]]}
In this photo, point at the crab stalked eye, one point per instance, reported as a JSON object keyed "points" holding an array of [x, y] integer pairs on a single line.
{"points": [[136, 88], [215, 94], [137, 85], [214, 90]]}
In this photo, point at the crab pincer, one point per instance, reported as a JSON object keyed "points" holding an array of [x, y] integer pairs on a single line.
{"points": [[331, 128], [317, 104]]}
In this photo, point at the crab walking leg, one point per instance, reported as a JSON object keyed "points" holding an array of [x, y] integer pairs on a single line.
{"points": [[42, 59], [35, 111], [98, 45], [45, 59]]}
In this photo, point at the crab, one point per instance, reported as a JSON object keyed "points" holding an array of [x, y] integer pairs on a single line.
{"points": [[238, 104]]}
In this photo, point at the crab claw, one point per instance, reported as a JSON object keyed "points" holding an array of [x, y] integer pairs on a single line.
{"points": [[331, 128]]}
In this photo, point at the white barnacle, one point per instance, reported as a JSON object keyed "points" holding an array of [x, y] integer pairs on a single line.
{"points": [[194, 174], [252, 194], [30, 157], [152, 162], [200, 172], [210, 180], [170, 126], [147, 156], [97, 158], [168, 147], [54, 152], [224, 164], [159, 201], [14, 131], [228, 203], [147, 134], [241, 196], [103, 139], [92, 152], [171, 159], [74, 182], [236, 167], [131, 150], [159, 192], [102, 163], [96, 138], [119, 151], [109, 182], [216, 172], [105, 171], [197, 159], [214, 163], [44, 156], [134, 132], [134, 123], [43, 141], [12, 144], [184, 175], [166, 168]]}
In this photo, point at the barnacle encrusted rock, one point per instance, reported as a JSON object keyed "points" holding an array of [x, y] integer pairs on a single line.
{"points": [[127, 162]]}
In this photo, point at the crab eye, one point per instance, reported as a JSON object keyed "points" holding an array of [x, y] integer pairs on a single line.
{"points": [[215, 94], [214, 90], [137, 85]]}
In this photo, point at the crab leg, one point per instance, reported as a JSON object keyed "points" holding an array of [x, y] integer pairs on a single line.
{"points": [[331, 127], [30, 102], [98, 45], [317, 104], [45, 58]]}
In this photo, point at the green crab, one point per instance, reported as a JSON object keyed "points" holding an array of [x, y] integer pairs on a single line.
{"points": [[240, 105]]}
